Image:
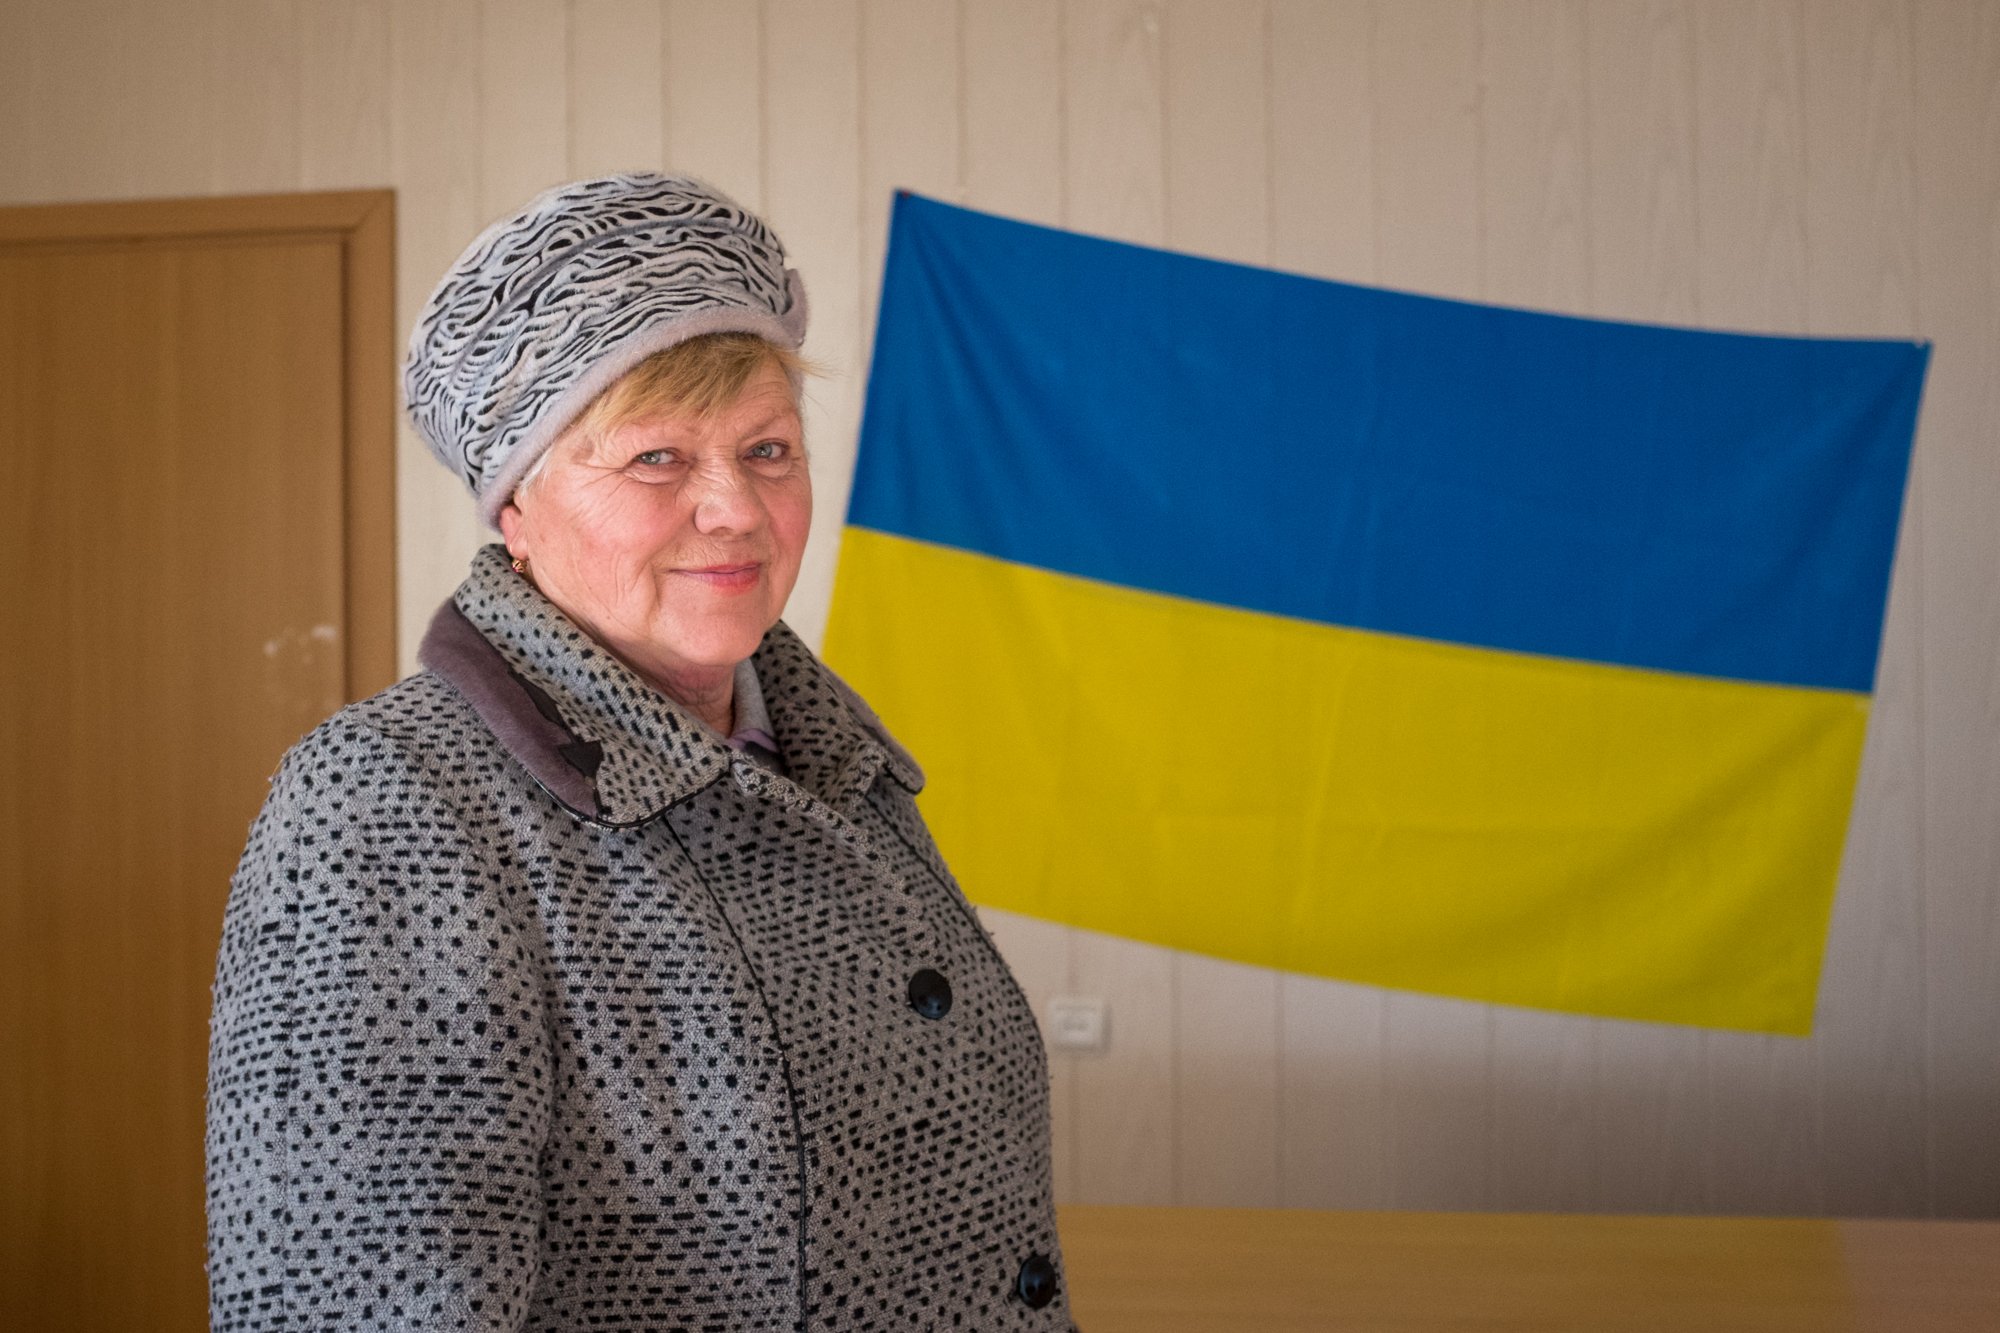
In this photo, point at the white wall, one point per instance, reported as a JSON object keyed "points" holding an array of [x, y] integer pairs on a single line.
{"points": [[1822, 166]]}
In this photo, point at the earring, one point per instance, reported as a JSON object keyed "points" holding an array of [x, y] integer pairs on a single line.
{"points": [[520, 564]]}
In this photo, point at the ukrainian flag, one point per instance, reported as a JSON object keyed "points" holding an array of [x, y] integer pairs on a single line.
{"points": [[1475, 651]]}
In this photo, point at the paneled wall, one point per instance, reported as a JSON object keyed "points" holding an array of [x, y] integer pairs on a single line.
{"points": [[1819, 166]]}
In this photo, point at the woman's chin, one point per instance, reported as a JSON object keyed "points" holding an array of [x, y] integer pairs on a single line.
{"points": [[717, 641]]}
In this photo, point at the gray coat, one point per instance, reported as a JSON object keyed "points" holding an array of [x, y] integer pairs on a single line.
{"points": [[539, 1007]]}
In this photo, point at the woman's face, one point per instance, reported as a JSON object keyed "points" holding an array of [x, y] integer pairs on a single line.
{"points": [[673, 541]]}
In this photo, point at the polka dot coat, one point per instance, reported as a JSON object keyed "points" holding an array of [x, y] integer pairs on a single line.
{"points": [[538, 1008]]}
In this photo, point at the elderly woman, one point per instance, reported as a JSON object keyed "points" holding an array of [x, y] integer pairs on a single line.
{"points": [[603, 975]]}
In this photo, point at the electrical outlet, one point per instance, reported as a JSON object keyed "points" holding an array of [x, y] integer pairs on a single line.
{"points": [[1079, 1023]]}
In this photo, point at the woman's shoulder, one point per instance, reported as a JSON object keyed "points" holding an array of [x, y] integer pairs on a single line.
{"points": [[416, 714], [418, 730], [407, 778]]}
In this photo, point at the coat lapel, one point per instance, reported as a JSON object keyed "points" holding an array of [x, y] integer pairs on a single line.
{"points": [[648, 753], [833, 744]]}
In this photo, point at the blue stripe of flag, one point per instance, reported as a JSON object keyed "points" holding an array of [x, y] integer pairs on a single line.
{"points": [[1714, 503]]}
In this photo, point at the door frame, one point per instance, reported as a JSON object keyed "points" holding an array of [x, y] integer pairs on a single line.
{"points": [[363, 222]]}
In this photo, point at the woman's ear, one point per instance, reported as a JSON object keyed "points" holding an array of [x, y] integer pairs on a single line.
{"points": [[510, 529]]}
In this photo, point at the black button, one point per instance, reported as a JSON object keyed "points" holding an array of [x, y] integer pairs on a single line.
{"points": [[1037, 1283], [930, 993]]}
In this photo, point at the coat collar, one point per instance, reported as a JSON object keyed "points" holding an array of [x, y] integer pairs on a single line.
{"points": [[611, 747]]}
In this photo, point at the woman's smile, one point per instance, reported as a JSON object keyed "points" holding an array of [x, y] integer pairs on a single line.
{"points": [[724, 578]]}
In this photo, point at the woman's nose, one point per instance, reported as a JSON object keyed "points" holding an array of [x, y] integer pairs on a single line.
{"points": [[725, 498]]}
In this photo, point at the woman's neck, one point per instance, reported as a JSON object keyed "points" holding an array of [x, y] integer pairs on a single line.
{"points": [[710, 696]]}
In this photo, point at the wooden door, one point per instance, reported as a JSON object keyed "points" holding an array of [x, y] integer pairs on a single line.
{"points": [[196, 433]]}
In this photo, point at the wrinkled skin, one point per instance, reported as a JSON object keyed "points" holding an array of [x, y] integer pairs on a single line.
{"points": [[674, 540]]}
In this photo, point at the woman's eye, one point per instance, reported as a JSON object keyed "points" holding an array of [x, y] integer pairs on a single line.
{"points": [[650, 458], [768, 449]]}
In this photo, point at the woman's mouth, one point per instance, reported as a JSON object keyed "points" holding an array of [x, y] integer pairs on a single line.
{"points": [[725, 578]]}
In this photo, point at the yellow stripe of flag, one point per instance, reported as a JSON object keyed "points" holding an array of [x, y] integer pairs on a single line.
{"points": [[1493, 825]]}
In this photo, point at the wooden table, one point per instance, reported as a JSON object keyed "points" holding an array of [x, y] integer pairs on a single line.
{"points": [[1190, 1270]]}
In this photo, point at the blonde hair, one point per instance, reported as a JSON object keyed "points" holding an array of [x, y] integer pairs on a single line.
{"points": [[698, 377]]}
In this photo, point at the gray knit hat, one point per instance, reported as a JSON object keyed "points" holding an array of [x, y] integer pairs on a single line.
{"points": [[550, 306]]}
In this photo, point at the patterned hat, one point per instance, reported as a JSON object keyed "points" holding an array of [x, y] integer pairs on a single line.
{"points": [[550, 306]]}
